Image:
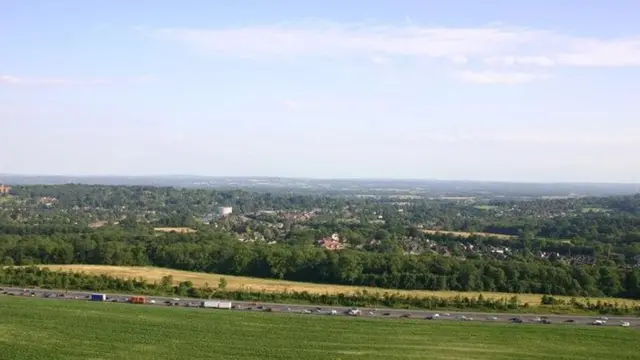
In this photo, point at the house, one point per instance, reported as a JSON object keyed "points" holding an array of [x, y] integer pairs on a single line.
{"points": [[331, 243], [4, 189]]}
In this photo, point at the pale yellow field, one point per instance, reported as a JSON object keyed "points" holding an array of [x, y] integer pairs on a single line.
{"points": [[255, 284], [466, 234], [175, 229]]}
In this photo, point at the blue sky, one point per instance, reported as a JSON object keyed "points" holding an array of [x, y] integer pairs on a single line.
{"points": [[537, 91]]}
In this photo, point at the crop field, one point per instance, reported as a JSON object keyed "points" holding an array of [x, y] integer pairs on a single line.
{"points": [[32, 328], [256, 284], [467, 234], [175, 229]]}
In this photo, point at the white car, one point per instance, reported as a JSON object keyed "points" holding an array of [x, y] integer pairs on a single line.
{"points": [[603, 318], [150, 301], [625, 324], [306, 311], [598, 322], [333, 312], [492, 318]]}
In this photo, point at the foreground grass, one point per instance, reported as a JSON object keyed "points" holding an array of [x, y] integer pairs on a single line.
{"points": [[32, 328], [152, 274]]}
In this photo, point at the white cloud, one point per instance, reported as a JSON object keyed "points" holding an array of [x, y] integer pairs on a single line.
{"points": [[380, 60], [26, 81], [292, 104], [520, 60], [493, 77], [552, 137], [497, 43]]}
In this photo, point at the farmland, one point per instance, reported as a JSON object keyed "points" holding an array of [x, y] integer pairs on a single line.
{"points": [[180, 230], [466, 234], [256, 284], [57, 329]]}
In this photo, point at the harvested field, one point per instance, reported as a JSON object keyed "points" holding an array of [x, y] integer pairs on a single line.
{"points": [[255, 284], [180, 230], [466, 234]]}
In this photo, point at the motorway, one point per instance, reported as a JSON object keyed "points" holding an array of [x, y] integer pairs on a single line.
{"points": [[326, 310]]}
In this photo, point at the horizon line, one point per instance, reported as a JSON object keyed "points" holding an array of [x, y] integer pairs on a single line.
{"points": [[156, 176]]}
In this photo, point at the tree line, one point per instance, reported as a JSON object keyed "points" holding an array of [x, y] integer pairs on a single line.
{"points": [[45, 278], [220, 252]]}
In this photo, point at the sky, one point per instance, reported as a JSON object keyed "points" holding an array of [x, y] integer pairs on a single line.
{"points": [[454, 90]]}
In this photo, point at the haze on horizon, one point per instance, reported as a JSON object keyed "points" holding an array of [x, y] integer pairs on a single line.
{"points": [[402, 89]]}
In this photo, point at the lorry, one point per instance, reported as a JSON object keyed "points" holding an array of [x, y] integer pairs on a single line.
{"points": [[98, 297], [213, 304], [209, 304], [224, 305], [137, 300]]}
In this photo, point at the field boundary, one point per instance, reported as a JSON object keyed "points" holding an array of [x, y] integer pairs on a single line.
{"points": [[155, 274]]}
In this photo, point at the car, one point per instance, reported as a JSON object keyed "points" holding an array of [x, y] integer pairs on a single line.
{"points": [[430, 317], [150, 301], [306, 311], [598, 322], [516, 320], [405, 316], [492, 318], [333, 312], [546, 321], [570, 321], [625, 324], [386, 314], [603, 318]]}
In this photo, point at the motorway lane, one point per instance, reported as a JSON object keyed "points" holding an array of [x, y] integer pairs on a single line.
{"points": [[320, 309]]}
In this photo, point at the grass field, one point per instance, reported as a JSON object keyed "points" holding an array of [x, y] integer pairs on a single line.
{"points": [[63, 329], [467, 234], [255, 284], [175, 229], [485, 207]]}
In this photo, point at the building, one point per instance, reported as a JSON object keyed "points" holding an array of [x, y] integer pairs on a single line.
{"points": [[4, 189], [331, 243], [225, 210]]}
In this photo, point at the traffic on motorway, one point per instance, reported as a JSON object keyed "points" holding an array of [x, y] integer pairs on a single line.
{"points": [[319, 310]]}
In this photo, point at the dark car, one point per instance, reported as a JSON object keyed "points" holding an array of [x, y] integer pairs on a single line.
{"points": [[516, 320], [571, 321], [546, 321]]}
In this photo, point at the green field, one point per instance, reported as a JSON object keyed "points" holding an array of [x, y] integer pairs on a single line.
{"points": [[32, 328]]}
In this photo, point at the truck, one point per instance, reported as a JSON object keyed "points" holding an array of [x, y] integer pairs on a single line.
{"points": [[210, 304], [98, 297], [137, 300], [214, 304], [224, 305]]}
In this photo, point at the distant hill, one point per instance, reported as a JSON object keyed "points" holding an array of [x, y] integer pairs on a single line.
{"points": [[343, 186]]}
